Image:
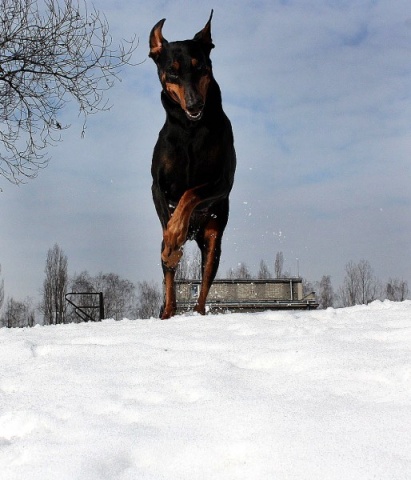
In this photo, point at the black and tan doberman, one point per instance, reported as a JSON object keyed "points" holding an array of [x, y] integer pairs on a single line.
{"points": [[194, 158]]}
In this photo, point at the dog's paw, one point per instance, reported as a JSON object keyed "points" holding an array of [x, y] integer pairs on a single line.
{"points": [[199, 309], [171, 257]]}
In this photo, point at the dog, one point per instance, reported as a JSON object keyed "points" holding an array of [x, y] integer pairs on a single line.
{"points": [[194, 159]]}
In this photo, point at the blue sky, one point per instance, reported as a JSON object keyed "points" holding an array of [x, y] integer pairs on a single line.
{"points": [[319, 95]]}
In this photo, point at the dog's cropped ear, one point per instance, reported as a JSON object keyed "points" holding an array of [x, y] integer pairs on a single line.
{"points": [[157, 40], [204, 36]]}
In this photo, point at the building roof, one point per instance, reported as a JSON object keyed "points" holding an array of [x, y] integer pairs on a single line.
{"points": [[245, 281]]}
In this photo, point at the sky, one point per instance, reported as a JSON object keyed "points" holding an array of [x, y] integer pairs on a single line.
{"points": [[321, 394], [319, 96]]}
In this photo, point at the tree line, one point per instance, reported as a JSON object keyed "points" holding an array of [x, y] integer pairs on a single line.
{"points": [[360, 286], [124, 299]]}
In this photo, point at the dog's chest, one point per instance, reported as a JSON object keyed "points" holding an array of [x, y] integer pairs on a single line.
{"points": [[188, 163]]}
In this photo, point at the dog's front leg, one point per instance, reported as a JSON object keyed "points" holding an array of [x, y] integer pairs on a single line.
{"points": [[175, 234], [170, 305], [174, 237]]}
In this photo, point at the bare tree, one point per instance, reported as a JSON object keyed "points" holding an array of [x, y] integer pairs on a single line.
{"points": [[349, 291], [82, 284], [50, 52], [195, 266], [149, 300], [360, 286], [189, 266], [13, 314], [308, 287], [264, 272], [242, 272], [279, 263], [55, 285], [18, 314], [118, 294], [1, 291], [396, 290], [326, 293], [370, 288], [182, 268]]}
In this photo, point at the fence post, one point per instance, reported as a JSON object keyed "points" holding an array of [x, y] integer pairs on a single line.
{"points": [[100, 295]]}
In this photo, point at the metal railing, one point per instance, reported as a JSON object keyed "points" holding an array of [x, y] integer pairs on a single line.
{"points": [[80, 310]]}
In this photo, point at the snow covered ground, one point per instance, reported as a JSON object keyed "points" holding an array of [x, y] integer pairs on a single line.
{"points": [[276, 395]]}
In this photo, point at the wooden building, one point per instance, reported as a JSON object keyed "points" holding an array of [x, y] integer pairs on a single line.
{"points": [[247, 295]]}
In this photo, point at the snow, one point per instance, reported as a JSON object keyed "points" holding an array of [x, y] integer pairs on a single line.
{"points": [[274, 395]]}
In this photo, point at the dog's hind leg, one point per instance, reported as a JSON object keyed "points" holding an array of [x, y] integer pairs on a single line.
{"points": [[209, 242]]}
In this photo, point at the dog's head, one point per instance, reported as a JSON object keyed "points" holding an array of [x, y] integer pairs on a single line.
{"points": [[184, 68]]}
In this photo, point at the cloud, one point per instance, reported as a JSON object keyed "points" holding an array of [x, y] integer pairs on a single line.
{"points": [[318, 95]]}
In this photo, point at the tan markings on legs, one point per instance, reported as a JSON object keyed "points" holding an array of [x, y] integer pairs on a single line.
{"points": [[212, 242], [170, 305], [171, 255], [175, 235]]}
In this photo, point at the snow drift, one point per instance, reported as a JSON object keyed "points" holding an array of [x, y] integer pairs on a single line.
{"points": [[275, 395]]}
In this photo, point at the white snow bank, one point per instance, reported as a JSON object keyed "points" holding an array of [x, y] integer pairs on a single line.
{"points": [[275, 395]]}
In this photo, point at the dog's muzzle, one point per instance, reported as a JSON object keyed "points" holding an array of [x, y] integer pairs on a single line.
{"points": [[194, 117], [194, 108]]}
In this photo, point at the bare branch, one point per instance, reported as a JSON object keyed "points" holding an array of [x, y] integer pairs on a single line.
{"points": [[49, 55]]}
